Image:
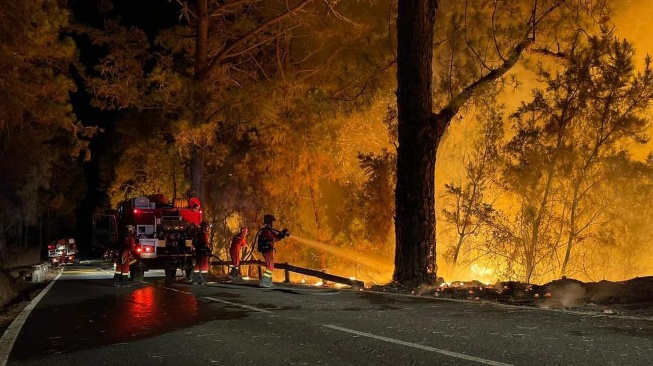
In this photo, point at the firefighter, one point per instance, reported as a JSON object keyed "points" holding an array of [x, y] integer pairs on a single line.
{"points": [[63, 256], [237, 242], [267, 236], [62, 246], [202, 252], [121, 273]]}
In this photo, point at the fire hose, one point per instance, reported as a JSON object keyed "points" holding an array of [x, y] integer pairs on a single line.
{"points": [[249, 252]]}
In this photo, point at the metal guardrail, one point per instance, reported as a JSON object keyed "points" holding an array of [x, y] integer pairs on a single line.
{"points": [[355, 284], [39, 272]]}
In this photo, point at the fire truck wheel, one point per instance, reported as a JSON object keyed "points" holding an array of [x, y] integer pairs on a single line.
{"points": [[171, 272]]}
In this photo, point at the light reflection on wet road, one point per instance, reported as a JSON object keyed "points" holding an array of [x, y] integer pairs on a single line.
{"points": [[128, 314]]}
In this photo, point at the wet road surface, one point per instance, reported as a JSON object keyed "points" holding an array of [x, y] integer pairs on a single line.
{"points": [[83, 319]]}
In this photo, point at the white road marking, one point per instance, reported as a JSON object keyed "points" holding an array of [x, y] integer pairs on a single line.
{"points": [[219, 300], [172, 289], [419, 346], [10, 335], [238, 305]]}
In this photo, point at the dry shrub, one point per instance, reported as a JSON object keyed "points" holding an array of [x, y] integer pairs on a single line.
{"points": [[21, 257], [15, 258], [8, 289]]}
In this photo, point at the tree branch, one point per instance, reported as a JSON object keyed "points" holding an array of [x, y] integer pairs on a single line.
{"points": [[226, 51], [221, 10], [441, 120], [459, 100]]}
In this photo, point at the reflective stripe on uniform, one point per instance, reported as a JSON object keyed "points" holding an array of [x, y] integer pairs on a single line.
{"points": [[267, 273]]}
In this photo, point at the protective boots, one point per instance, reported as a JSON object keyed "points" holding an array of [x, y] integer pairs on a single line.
{"points": [[124, 281], [120, 281], [235, 273], [197, 279], [266, 280]]}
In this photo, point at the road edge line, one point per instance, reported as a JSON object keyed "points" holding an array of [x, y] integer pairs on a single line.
{"points": [[12, 332], [238, 305], [244, 306]]}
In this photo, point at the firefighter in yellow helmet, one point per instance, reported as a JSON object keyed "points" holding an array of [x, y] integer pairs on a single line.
{"points": [[267, 236]]}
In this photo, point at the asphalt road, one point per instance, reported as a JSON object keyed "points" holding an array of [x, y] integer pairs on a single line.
{"points": [[83, 319]]}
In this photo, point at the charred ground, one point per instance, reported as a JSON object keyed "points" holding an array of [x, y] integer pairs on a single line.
{"points": [[633, 297]]}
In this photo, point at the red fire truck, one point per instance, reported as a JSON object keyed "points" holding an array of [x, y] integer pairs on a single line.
{"points": [[165, 232], [62, 252]]}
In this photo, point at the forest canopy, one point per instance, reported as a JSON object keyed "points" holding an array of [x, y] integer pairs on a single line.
{"points": [[290, 108]]}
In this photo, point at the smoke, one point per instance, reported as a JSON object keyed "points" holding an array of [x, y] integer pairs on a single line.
{"points": [[631, 20], [566, 295]]}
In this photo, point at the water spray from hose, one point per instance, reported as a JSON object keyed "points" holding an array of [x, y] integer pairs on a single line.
{"points": [[354, 256]]}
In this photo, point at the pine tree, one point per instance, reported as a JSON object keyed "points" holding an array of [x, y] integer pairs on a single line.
{"points": [[42, 139]]}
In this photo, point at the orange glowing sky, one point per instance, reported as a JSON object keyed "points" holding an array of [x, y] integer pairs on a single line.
{"points": [[632, 19]]}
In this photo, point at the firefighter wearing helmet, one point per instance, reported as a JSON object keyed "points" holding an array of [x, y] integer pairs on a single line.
{"points": [[238, 242], [267, 236], [202, 253], [121, 273]]}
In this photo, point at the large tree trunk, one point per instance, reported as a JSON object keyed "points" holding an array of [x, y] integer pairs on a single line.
{"points": [[418, 141], [3, 244], [200, 96], [197, 173]]}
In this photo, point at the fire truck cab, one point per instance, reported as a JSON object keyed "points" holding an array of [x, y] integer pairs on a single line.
{"points": [[165, 232]]}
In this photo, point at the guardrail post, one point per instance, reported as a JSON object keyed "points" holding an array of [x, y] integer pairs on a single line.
{"points": [[38, 272], [286, 273]]}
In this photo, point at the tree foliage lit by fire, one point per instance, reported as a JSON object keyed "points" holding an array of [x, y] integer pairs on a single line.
{"points": [[291, 109]]}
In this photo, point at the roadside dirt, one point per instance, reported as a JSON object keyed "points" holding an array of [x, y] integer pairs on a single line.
{"points": [[633, 297], [15, 292], [23, 293]]}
